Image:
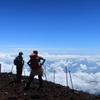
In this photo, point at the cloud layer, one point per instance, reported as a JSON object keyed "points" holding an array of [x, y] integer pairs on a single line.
{"points": [[85, 70]]}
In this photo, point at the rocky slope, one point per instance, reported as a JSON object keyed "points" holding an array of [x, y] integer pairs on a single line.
{"points": [[10, 90]]}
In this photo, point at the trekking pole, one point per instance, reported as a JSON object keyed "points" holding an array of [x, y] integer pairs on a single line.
{"points": [[45, 73], [71, 80], [66, 76], [12, 68], [54, 77]]}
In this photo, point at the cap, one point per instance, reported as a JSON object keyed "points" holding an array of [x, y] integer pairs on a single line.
{"points": [[20, 53]]}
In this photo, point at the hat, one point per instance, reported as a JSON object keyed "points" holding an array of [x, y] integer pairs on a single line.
{"points": [[20, 53], [35, 51]]}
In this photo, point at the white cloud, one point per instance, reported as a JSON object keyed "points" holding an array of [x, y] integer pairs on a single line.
{"points": [[92, 68], [98, 63], [82, 67]]}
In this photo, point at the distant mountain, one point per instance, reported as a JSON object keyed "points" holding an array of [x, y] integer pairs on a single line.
{"points": [[10, 90]]}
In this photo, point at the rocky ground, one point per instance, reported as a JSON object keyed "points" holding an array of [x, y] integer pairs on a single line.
{"points": [[10, 90]]}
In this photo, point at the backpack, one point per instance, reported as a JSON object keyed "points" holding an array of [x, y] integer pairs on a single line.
{"points": [[18, 61], [34, 62], [15, 61]]}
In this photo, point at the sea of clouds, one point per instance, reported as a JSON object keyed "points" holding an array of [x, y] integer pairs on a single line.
{"points": [[80, 72]]}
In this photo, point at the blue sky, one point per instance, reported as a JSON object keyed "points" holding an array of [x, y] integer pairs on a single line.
{"points": [[71, 24]]}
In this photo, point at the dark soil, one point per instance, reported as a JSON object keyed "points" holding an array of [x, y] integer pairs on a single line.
{"points": [[10, 90]]}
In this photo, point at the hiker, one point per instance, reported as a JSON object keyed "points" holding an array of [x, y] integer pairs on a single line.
{"points": [[19, 62], [35, 64]]}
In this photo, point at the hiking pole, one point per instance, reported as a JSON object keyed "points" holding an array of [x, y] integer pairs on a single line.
{"points": [[12, 68], [66, 76], [71, 79], [54, 77], [45, 73]]}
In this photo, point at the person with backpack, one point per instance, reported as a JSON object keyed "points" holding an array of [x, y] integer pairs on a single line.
{"points": [[35, 64], [19, 62]]}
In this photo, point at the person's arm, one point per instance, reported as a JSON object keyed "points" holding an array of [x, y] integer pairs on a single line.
{"points": [[43, 60], [28, 62]]}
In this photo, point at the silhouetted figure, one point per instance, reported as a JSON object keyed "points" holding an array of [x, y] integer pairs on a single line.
{"points": [[35, 64], [19, 62]]}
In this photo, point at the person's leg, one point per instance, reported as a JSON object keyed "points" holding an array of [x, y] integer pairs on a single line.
{"points": [[40, 82], [29, 82], [19, 73]]}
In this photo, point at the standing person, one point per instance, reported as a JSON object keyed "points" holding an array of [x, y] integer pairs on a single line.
{"points": [[35, 64], [19, 62]]}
